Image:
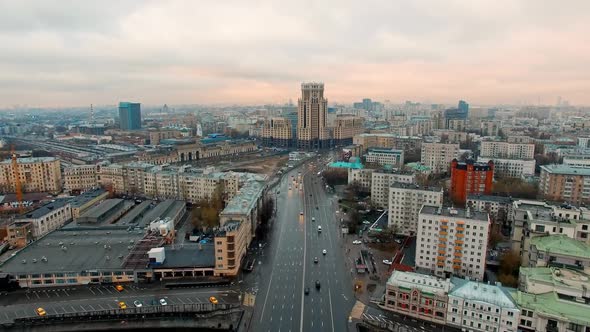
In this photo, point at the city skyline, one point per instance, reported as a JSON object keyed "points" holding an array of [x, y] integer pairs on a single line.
{"points": [[64, 54]]}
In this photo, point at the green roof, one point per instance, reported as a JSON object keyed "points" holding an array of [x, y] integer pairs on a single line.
{"points": [[549, 304], [561, 244]]}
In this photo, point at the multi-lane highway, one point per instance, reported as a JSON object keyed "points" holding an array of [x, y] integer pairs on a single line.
{"points": [[288, 267]]}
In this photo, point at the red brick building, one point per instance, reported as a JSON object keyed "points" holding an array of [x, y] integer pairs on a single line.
{"points": [[470, 178]]}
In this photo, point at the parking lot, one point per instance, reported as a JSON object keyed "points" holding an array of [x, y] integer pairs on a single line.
{"points": [[96, 298]]}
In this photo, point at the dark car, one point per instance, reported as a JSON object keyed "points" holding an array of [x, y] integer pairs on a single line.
{"points": [[317, 284], [315, 260]]}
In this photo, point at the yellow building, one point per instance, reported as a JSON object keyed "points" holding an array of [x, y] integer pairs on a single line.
{"points": [[277, 131], [346, 127], [36, 175]]}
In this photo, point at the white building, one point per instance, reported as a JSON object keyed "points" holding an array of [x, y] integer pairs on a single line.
{"points": [[48, 217], [362, 176], [438, 156], [497, 149], [405, 202], [577, 160], [452, 242], [511, 168], [475, 306], [386, 157], [382, 180]]}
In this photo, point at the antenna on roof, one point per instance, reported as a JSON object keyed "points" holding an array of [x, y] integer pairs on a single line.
{"points": [[91, 114]]}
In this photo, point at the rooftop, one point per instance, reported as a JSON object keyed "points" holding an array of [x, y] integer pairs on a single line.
{"points": [[193, 255], [136, 214], [74, 250], [45, 209], [31, 160], [455, 213], [549, 304], [561, 244], [86, 197], [383, 150], [555, 276], [102, 208], [413, 186], [426, 283], [244, 201], [477, 291], [163, 210], [490, 198], [565, 170], [343, 164]]}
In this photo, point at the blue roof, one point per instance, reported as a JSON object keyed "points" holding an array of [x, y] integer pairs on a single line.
{"points": [[343, 164]]}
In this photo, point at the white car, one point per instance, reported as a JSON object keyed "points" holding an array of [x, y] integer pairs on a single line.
{"points": [[324, 251], [163, 302], [137, 304], [312, 218], [366, 222], [387, 262], [357, 242]]}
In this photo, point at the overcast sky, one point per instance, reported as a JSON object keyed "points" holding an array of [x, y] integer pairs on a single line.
{"points": [[75, 52]]}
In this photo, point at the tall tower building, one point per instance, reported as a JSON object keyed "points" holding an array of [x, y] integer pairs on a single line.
{"points": [[129, 115], [311, 117]]}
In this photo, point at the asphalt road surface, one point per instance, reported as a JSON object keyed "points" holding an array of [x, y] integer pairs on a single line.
{"points": [[289, 268], [94, 298]]}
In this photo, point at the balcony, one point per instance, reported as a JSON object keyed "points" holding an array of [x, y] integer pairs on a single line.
{"points": [[440, 264], [460, 229], [460, 235], [442, 245], [444, 226], [442, 239], [457, 267], [457, 260], [442, 233], [440, 258], [441, 252], [458, 242], [231, 247], [460, 222], [458, 254]]}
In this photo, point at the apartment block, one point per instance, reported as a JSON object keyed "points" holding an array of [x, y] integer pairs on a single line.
{"points": [[452, 242], [277, 132], [382, 180], [565, 183], [470, 178], [406, 201], [346, 127], [387, 141], [438, 156], [495, 206], [577, 160], [42, 174], [497, 149], [362, 176], [559, 250], [81, 177], [511, 168]]}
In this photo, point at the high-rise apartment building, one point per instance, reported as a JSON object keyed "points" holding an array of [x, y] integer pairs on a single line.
{"points": [[312, 122], [277, 131], [41, 174], [405, 202], [438, 156], [129, 115], [470, 178], [452, 242], [382, 180], [346, 127]]}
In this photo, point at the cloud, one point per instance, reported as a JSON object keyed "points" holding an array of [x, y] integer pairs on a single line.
{"points": [[62, 53]]}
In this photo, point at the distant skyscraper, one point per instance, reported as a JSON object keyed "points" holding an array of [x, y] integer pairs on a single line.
{"points": [[311, 113], [463, 106], [129, 115]]}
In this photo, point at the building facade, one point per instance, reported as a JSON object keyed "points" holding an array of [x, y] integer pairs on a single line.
{"points": [[48, 217], [42, 174], [387, 141], [452, 242], [511, 168], [277, 132], [81, 177], [385, 157], [438, 156], [565, 183], [312, 123], [345, 128], [129, 116], [382, 180], [405, 203], [470, 178], [497, 149], [417, 295], [475, 306]]}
